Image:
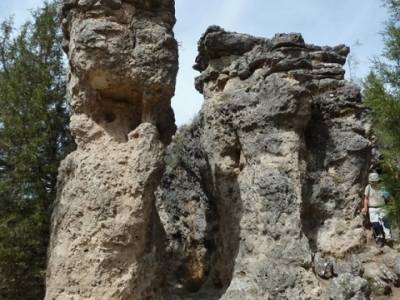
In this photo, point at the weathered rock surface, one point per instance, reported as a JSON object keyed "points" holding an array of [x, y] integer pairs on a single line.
{"points": [[107, 239], [260, 192], [123, 59], [347, 286]]}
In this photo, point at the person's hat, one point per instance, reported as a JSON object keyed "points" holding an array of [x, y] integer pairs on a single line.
{"points": [[373, 177]]}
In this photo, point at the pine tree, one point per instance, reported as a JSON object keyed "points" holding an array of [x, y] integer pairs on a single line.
{"points": [[382, 96], [34, 137]]}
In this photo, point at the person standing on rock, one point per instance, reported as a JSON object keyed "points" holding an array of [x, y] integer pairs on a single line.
{"points": [[375, 198]]}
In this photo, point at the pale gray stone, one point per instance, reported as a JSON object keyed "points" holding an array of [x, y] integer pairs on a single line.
{"points": [[279, 164], [107, 238], [259, 194], [347, 286], [324, 266]]}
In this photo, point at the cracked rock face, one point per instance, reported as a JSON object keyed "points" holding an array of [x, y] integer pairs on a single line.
{"points": [[255, 199], [260, 191], [106, 240]]}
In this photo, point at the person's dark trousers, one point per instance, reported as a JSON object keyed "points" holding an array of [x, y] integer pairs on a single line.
{"points": [[378, 230]]}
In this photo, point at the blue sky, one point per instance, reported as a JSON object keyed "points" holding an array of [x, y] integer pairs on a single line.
{"points": [[323, 22]]}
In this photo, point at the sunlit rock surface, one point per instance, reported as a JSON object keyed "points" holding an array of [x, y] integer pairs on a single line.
{"points": [[107, 239]]}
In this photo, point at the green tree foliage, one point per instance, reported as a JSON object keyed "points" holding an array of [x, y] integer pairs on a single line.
{"points": [[382, 96], [34, 137]]}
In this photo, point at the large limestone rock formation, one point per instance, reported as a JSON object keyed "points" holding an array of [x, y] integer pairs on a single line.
{"points": [[106, 235], [260, 193]]}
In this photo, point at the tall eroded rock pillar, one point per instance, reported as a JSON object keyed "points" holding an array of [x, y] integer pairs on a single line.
{"points": [[105, 229], [259, 197]]}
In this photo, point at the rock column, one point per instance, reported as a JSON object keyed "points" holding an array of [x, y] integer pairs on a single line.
{"points": [[106, 233], [281, 149]]}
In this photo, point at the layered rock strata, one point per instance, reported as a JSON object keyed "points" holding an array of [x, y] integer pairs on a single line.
{"points": [[260, 194], [106, 237]]}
